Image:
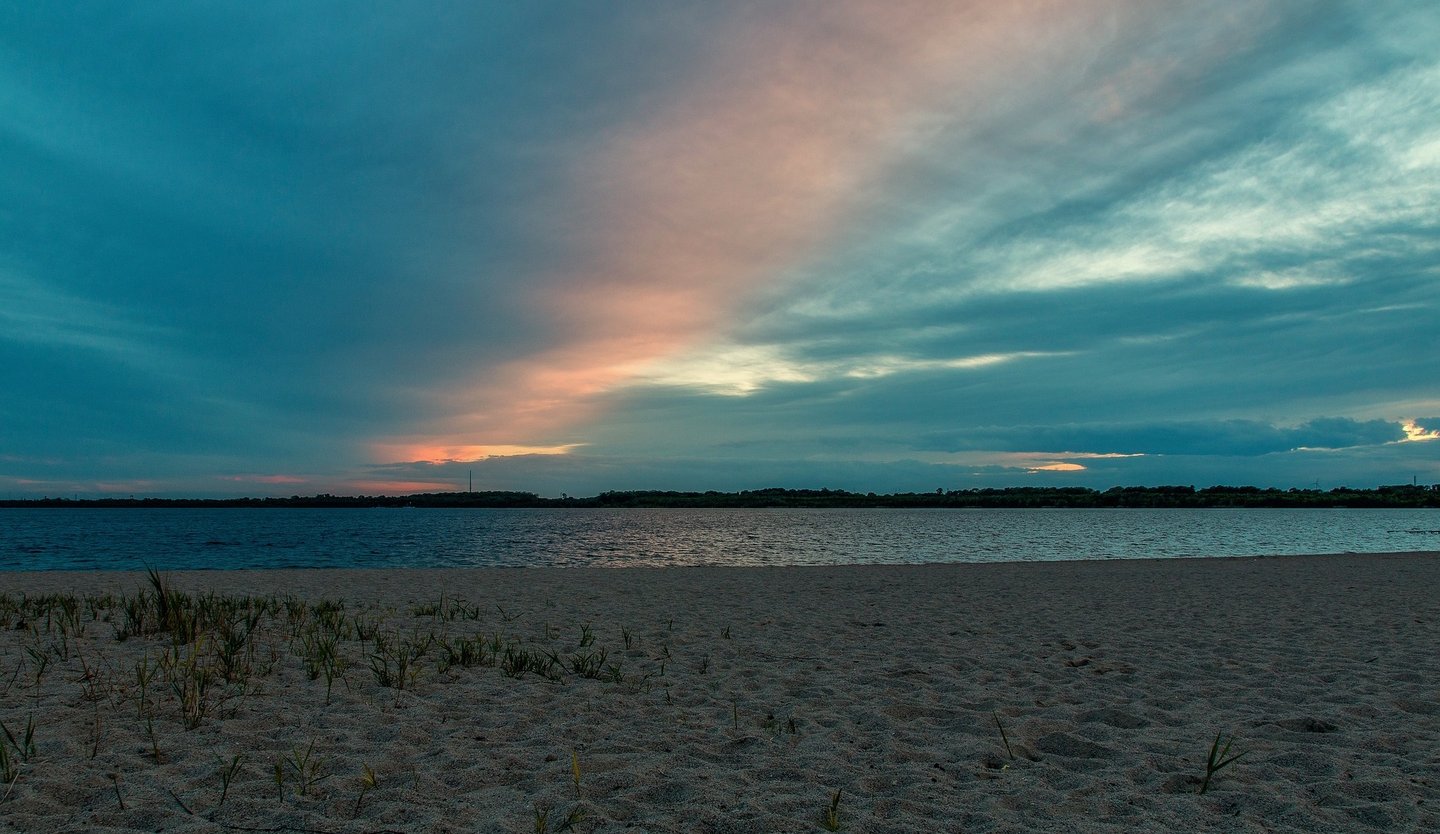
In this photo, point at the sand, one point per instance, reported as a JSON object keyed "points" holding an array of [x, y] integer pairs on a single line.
{"points": [[779, 687]]}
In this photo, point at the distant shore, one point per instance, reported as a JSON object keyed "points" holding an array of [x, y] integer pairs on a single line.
{"points": [[1403, 496], [1014, 697]]}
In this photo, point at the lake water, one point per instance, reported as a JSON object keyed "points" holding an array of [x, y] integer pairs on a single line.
{"points": [[179, 539]]}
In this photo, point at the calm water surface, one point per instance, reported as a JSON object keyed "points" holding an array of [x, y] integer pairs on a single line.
{"points": [[178, 539]]}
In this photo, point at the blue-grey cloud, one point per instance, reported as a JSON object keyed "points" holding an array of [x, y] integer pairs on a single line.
{"points": [[285, 227], [1251, 270], [1220, 437], [248, 242]]}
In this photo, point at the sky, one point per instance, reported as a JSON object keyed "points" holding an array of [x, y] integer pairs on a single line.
{"points": [[276, 248]]}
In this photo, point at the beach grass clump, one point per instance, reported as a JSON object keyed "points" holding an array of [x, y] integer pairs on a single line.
{"points": [[40, 659], [775, 728], [9, 763], [278, 774], [589, 665], [173, 611], [9, 770], [830, 817], [464, 652], [516, 661], [365, 628], [227, 773], [144, 674], [572, 819], [330, 617], [368, 782], [25, 745], [59, 613], [1218, 759], [188, 672], [133, 621], [297, 611], [395, 660], [320, 652], [24, 751], [309, 769], [195, 656], [447, 610], [235, 643], [155, 752]]}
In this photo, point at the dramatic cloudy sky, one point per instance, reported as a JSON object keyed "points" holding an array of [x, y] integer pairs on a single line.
{"points": [[278, 247]]}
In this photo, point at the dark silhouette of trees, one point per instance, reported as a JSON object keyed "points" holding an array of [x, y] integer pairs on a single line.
{"points": [[1400, 496]]}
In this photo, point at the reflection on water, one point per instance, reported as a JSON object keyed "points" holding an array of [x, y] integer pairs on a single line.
{"points": [[175, 539]]}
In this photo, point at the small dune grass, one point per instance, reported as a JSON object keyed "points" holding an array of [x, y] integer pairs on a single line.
{"points": [[830, 817], [1003, 738], [368, 783], [1219, 758]]}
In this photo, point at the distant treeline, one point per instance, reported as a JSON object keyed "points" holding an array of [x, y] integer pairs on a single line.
{"points": [[1077, 497]]}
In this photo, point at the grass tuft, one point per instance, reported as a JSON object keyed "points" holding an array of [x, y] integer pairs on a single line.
{"points": [[1219, 758], [367, 784], [572, 819], [25, 745], [1004, 738], [9, 768], [227, 775], [830, 818], [119, 798], [309, 770]]}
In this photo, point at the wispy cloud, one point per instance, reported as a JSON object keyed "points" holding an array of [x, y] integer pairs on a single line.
{"points": [[909, 242], [744, 173], [39, 313], [1217, 437]]}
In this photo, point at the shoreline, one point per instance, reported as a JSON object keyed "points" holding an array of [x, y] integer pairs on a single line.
{"points": [[744, 697], [52, 579]]}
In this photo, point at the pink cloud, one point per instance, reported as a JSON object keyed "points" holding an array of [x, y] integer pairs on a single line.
{"points": [[744, 171], [266, 479], [399, 487]]}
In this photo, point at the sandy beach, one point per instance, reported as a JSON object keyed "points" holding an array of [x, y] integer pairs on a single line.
{"points": [[1054, 697]]}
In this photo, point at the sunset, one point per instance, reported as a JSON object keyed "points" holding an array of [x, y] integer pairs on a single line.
{"points": [[876, 246], [723, 417]]}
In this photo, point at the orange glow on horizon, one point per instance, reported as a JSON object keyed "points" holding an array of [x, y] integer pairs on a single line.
{"points": [[400, 487], [430, 453], [266, 479]]}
